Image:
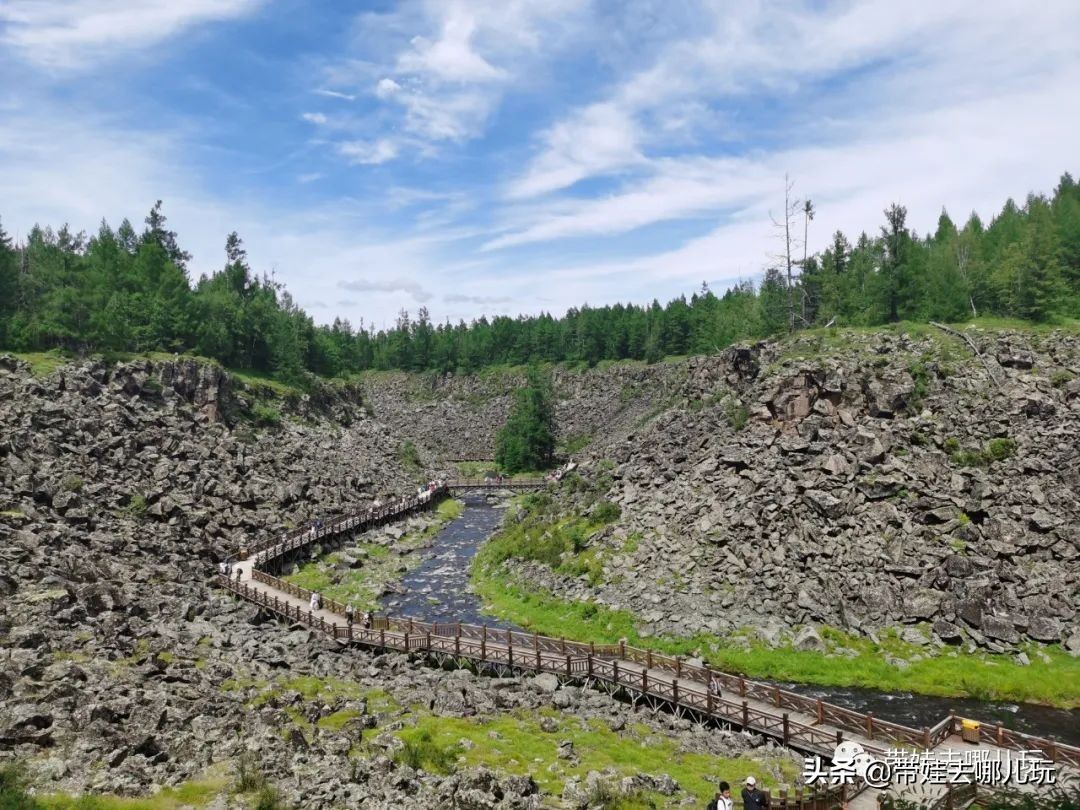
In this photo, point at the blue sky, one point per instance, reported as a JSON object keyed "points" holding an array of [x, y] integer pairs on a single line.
{"points": [[475, 156]]}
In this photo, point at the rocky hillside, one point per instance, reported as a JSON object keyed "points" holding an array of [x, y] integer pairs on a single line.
{"points": [[122, 670], [857, 480], [457, 416]]}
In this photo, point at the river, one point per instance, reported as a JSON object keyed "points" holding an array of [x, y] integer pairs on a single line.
{"points": [[437, 590]]}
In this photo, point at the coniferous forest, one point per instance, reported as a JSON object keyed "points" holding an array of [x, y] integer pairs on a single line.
{"points": [[124, 290]]}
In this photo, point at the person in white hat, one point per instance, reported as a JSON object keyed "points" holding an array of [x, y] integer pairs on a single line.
{"points": [[754, 799]]}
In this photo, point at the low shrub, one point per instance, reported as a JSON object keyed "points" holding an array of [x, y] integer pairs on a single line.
{"points": [[606, 512], [422, 753], [265, 415]]}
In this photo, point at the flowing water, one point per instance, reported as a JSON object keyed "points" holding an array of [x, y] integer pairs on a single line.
{"points": [[437, 590]]}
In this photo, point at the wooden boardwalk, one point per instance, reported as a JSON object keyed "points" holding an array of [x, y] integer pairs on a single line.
{"points": [[805, 724], [461, 484]]}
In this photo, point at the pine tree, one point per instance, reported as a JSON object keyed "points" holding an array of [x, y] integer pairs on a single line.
{"points": [[527, 440], [9, 279], [157, 232], [1040, 288]]}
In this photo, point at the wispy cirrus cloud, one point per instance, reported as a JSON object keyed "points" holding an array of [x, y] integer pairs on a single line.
{"points": [[942, 51], [370, 153], [72, 34], [388, 285], [454, 63]]}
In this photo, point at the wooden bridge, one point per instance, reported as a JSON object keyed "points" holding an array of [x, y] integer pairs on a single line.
{"points": [[805, 724], [459, 484]]}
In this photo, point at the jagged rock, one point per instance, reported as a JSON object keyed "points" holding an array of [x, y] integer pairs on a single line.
{"points": [[1045, 629], [546, 682], [1000, 628], [947, 631], [808, 639]]}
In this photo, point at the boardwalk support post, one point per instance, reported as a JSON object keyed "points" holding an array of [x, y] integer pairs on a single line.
{"points": [[745, 714], [787, 729]]}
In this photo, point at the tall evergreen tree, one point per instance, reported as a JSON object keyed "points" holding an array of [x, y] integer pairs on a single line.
{"points": [[527, 440]]}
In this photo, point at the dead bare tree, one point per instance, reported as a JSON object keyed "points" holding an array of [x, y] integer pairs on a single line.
{"points": [[963, 257], [784, 228], [808, 214]]}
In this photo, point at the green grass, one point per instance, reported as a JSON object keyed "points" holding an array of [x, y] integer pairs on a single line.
{"points": [[42, 364], [995, 450], [449, 509], [196, 793], [265, 415], [515, 743], [574, 444], [362, 586], [338, 720], [555, 542], [981, 675], [409, 455]]}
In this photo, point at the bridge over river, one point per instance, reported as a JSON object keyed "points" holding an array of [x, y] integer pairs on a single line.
{"points": [[803, 723]]}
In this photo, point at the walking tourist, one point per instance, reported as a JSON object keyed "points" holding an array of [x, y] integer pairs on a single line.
{"points": [[726, 802], [753, 797], [714, 686], [349, 613], [314, 602]]}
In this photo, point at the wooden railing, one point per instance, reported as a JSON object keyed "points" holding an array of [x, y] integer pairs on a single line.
{"points": [[620, 665], [497, 483], [373, 516]]}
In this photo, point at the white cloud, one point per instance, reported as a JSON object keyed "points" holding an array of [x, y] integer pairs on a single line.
{"points": [[387, 88], [370, 153], [450, 57], [388, 285], [77, 33], [322, 91], [944, 52], [454, 63], [316, 118], [599, 139]]}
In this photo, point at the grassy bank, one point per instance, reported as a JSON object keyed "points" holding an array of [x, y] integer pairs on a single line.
{"points": [[949, 674], [380, 564], [564, 544], [521, 743], [516, 742]]}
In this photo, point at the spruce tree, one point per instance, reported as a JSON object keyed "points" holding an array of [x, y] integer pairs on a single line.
{"points": [[527, 440]]}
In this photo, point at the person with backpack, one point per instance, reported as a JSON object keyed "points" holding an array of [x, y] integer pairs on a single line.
{"points": [[723, 800]]}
